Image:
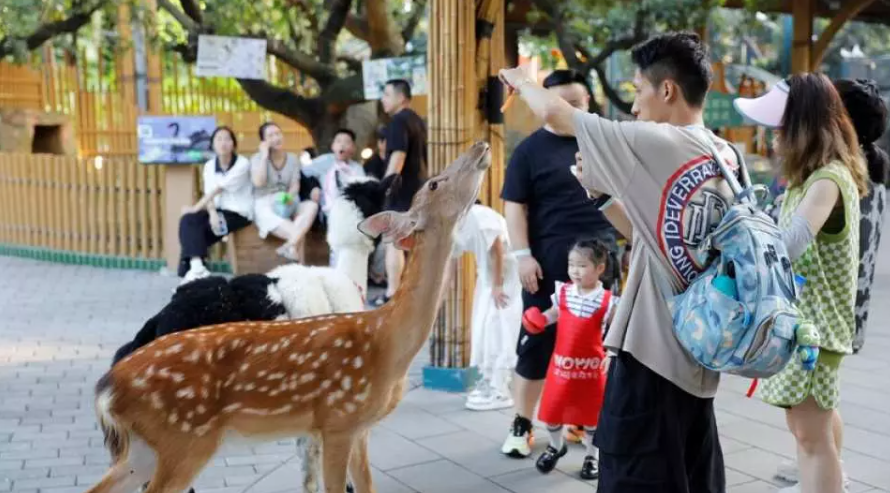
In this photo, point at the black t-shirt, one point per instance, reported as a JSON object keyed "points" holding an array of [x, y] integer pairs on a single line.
{"points": [[559, 210], [375, 166], [407, 133]]}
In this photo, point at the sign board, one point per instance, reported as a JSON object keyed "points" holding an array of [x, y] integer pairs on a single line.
{"points": [[375, 73], [225, 56], [720, 112], [174, 139]]}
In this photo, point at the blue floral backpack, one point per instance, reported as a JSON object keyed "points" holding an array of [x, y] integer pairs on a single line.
{"points": [[739, 315]]}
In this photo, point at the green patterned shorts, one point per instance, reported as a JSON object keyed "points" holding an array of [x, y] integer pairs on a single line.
{"points": [[793, 385]]}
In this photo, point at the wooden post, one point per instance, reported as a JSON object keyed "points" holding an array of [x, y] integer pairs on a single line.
{"points": [[802, 11], [850, 9], [179, 188], [153, 69]]}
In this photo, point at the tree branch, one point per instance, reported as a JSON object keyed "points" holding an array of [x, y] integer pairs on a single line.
{"points": [[383, 36], [358, 27], [307, 64], [47, 31], [611, 92], [339, 10], [414, 20], [283, 101], [181, 17], [193, 9]]}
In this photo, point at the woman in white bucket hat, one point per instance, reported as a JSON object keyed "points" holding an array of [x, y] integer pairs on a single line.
{"points": [[820, 220]]}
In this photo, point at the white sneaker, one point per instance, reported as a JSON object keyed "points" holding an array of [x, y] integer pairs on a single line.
{"points": [[788, 471], [481, 392], [494, 401], [195, 273], [519, 442]]}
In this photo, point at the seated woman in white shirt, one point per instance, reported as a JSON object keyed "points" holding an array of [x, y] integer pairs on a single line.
{"points": [[227, 205], [273, 170]]}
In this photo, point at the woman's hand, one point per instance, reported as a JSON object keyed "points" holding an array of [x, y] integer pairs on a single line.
{"points": [[529, 273], [264, 148], [501, 300]]}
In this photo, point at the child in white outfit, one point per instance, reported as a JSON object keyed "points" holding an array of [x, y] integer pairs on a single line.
{"points": [[497, 306]]}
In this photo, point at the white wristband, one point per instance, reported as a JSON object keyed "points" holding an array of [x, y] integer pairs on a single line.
{"points": [[525, 252]]}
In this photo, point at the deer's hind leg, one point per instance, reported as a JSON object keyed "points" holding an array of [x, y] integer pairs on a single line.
{"points": [[359, 467], [179, 465], [336, 450], [129, 472]]}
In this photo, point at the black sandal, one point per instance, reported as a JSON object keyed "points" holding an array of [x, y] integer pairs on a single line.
{"points": [[548, 460]]}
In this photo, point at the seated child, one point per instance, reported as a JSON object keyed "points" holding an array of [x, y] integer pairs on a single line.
{"points": [[576, 379]]}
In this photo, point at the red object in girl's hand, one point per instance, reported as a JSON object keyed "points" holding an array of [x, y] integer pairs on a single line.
{"points": [[534, 321]]}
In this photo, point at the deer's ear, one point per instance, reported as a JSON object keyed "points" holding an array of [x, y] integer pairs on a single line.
{"points": [[395, 227]]}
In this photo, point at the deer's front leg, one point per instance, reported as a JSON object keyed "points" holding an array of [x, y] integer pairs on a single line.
{"points": [[311, 462], [335, 451], [359, 467]]}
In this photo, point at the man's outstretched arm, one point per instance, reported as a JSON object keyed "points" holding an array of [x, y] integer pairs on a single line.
{"points": [[547, 105]]}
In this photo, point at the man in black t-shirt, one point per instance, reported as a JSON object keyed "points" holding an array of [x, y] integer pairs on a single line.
{"points": [[547, 210], [406, 155]]}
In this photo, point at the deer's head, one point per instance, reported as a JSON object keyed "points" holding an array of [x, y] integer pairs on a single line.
{"points": [[439, 204]]}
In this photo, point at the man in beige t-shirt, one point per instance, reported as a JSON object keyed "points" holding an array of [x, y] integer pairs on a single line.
{"points": [[657, 431]]}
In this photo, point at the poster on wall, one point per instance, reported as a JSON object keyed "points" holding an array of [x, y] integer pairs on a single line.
{"points": [[174, 139], [226, 56], [375, 73]]}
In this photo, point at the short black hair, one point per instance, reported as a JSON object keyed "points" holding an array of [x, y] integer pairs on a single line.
{"points": [[345, 131], [679, 56], [263, 128], [224, 128], [401, 86], [595, 250], [381, 132], [566, 77]]}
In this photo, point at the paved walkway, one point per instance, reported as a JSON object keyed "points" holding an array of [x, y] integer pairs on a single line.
{"points": [[60, 324]]}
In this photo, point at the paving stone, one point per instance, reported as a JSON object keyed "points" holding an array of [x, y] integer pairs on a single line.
{"points": [[443, 476]]}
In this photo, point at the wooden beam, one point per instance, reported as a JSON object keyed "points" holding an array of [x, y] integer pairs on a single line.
{"points": [[802, 11], [850, 10]]}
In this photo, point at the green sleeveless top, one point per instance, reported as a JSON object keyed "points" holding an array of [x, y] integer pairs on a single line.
{"points": [[830, 264]]}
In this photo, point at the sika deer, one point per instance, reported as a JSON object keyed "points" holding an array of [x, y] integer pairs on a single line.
{"points": [[168, 407]]}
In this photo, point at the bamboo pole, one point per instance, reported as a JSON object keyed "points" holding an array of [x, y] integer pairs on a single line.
{"points": [[132, 199], [155, 212], [142, 197], [69, 205]]}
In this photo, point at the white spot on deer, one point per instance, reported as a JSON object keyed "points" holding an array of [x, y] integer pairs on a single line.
{"points": [[367, 347], [177, 377], [190, 415], [282, 410], [244, 367], [338, 374], [186, 393], [193, 357], [323, 357], [258, 412], [315, 365], [292, 386], [174, 349], [262, 373], [159, 354], [363, 380], [220, 353], [200, 409], [156, 401], [186, 427], [357, 362], [249, 386], [232, 407], [307, 377], [238, 387], [202, 430], [164, 372], [236, 343], [139, 383], [325, 384], [346, 383], [348, 344], [173, 418], [264, 388], [364, 395], [205, 378], [276, 376], [230, 329], [349, 407], [260, 349], [229, 381], [338, 342], [274, 348]]}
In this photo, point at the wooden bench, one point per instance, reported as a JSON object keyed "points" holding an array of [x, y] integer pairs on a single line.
{"points": [[250, 254]]}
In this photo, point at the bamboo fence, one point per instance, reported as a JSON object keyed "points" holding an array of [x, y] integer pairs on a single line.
{"points": [[104, 206]]}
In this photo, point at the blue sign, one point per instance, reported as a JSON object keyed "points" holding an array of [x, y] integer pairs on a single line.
{"points": [[175, 139], [720, 112]]}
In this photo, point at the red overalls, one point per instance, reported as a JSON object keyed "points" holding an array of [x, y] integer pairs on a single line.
{"points": [[576, 380]]}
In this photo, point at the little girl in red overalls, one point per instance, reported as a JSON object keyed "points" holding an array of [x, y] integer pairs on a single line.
{"points": [[576, 378]]}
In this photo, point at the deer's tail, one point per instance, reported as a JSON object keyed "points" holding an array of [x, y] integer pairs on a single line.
{"points": [[117, 439]]}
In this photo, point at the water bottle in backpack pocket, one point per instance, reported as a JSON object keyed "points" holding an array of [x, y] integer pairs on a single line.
{"points": [[739, 315]]}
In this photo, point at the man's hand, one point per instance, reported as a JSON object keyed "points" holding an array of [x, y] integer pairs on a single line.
{"points": [[501, 300], [529, 273], [315, 194], [578, 171], [514, 77]]}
